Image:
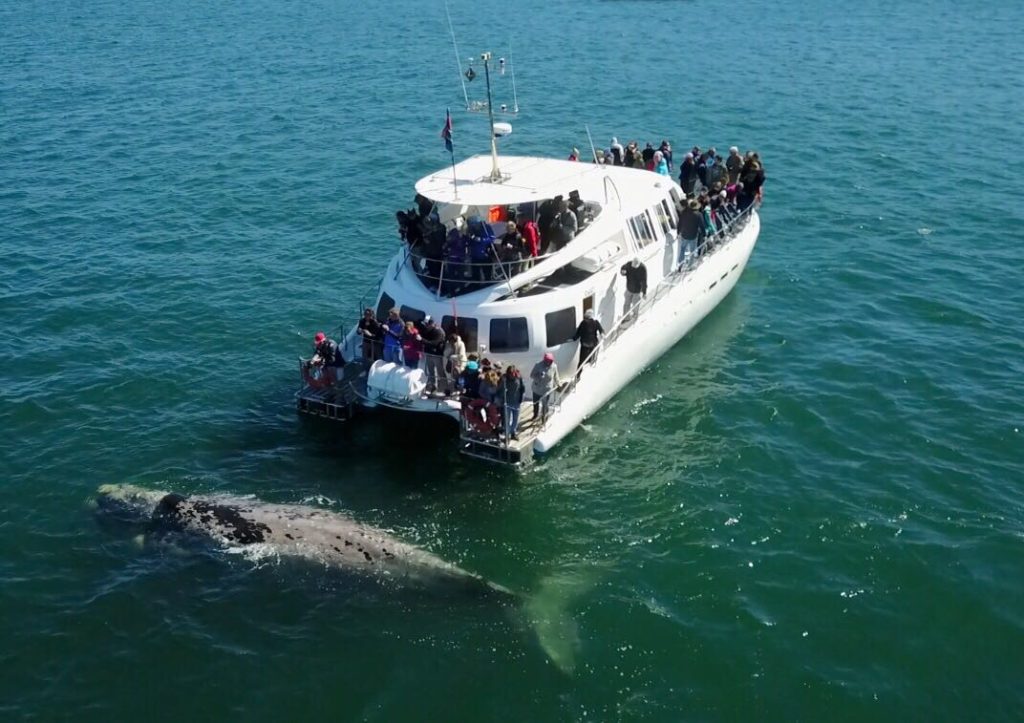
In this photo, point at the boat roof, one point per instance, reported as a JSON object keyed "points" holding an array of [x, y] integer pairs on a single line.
{"points": [[526, 179]]}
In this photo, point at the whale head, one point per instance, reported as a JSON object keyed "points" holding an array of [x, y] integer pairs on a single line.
{"points": [[126, 504]]}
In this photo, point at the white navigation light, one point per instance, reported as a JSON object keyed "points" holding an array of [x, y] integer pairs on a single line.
{"points": [[502, 129]]}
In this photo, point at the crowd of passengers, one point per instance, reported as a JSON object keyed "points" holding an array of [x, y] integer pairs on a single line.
{"points": [[471, 254], [449, 369], [717, 191]]}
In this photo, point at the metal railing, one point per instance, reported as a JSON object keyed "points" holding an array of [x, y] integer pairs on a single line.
{"points": [[449, 277], [702, 251]]}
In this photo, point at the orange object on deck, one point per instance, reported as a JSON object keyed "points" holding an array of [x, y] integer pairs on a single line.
{"points": [[496, 214]]}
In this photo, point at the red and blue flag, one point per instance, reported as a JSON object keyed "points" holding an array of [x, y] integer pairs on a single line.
{"points": [[446, 132]]}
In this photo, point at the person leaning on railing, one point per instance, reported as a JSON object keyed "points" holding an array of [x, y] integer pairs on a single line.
{"points": [[372, 334], [393, 329]]}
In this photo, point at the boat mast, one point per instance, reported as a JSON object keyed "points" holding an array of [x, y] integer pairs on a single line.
{"points": [[495, 173]]}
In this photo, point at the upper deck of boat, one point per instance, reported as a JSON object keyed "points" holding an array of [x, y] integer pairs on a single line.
{"points": [[529, 179]]}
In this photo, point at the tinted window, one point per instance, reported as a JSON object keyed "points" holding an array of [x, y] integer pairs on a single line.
{"points": [[509, 335], [668, 214], [560, 326], [410, 314], [466, 327], [385, 305]]}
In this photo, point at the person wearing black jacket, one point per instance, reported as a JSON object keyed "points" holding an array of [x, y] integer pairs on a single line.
{"points": [[433, 347], [588, 334], [328, 356], [636, 283], [373, 336]]}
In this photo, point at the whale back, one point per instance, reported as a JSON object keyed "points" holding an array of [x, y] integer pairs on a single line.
{"points": [[301, 531]]}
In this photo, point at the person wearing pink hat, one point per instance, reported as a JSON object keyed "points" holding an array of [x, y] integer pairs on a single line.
{"points": [[545, 380]]}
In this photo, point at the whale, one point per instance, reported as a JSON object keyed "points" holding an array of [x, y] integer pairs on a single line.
{"points": [[306, 533], [287, 531]]}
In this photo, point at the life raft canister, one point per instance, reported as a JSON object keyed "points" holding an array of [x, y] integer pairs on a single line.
{"points": [[482, 416]]}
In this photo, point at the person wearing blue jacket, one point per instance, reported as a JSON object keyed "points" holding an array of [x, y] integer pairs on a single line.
{"points": [[393, 329]]}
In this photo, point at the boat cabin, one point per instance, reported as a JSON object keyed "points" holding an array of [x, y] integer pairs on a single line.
{"points": [[515, 309]]}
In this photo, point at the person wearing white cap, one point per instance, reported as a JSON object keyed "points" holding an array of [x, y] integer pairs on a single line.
{"points": [[636, 283], [617, 152], [545, 380], [734, 164]]}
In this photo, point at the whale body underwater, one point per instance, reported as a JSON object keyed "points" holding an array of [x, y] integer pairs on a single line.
{"points": [[322, 537], [302, 532]]}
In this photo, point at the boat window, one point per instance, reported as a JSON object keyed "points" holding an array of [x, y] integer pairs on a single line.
{"points": [[668, 216], [643, 229], [560, 326], [634, 230], [385, 305], [410, 314], [649, 222], [466, 326], [509, 335]]}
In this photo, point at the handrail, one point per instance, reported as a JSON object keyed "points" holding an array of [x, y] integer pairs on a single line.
{"points": [[436, 281], [702, 251]]}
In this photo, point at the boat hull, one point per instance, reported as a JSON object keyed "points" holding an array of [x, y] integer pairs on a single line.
{"points": [[679, 308]]}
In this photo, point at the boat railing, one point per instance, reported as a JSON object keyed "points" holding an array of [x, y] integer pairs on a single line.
{"points": [[694, 257], [447, 277]]}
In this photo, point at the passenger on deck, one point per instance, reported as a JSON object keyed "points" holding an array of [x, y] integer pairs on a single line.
{"points": [[412, 345], [393, 328], [666, 152], [531, 240], [489, 386], [511, 391], [575, 154], [752, 178], [630, 155], [660, 165], [327, 357], [636, 283], [372, 333], [567, 226], [647, 155], [433, 348], [455, 253], [481, 251], [578, 207], [687, 174], [545, 380], [588, 334], [454, 360], [512, 249], [617, 152], [690, 224], [717, 173], [734, 164], [469, 381]]}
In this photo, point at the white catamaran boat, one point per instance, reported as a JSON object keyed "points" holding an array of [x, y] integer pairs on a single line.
{"points": [[516, 312]]}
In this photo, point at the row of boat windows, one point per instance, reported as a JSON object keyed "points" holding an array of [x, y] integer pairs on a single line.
{"points": [[642, 226], [510, 334]]}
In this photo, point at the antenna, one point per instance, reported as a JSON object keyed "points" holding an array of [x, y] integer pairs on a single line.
{"points": [[591, 139], [458, 63], [495, 173], [512, 71]]}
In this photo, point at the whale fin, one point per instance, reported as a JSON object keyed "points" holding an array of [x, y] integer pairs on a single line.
{"points": [[549, 614]]}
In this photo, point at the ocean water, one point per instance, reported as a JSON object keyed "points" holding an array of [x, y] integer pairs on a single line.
{"points": [[810, 509]]}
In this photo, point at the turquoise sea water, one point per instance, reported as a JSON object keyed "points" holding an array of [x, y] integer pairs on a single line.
{"points": [[810, 509]]}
